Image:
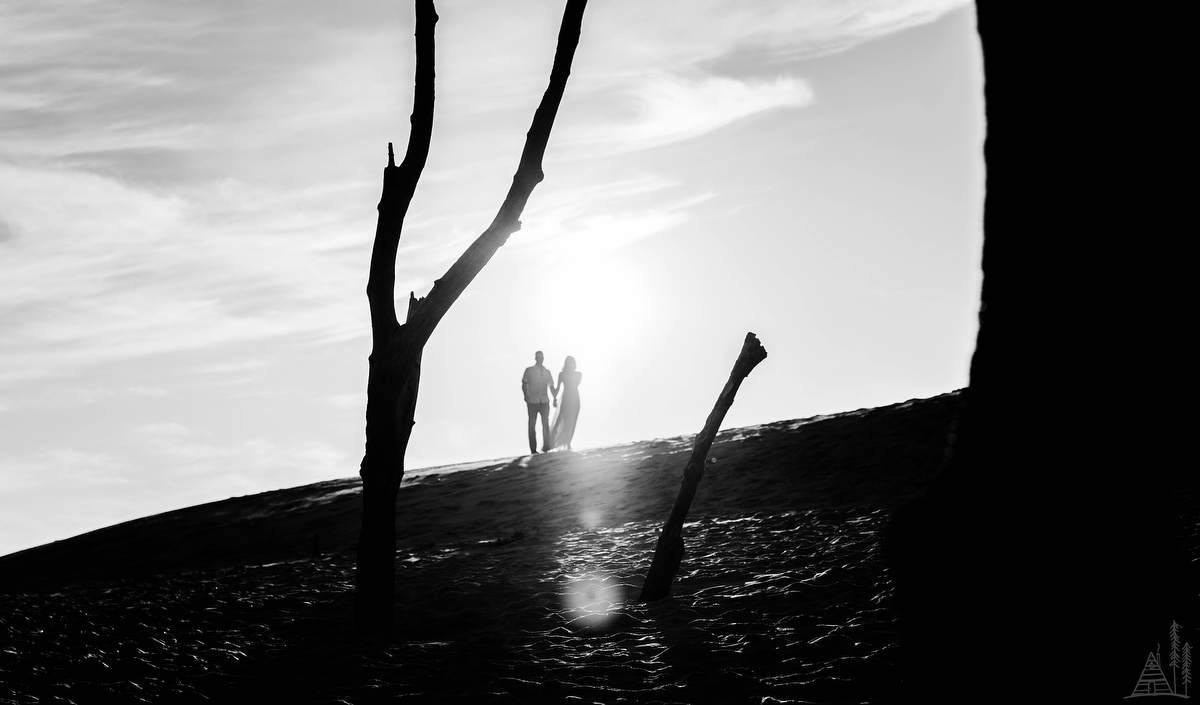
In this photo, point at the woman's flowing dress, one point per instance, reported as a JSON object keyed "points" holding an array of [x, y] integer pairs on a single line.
{"points": [[568, 410]]}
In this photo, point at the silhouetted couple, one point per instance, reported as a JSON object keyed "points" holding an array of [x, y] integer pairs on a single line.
{"points": [[538, 387]]}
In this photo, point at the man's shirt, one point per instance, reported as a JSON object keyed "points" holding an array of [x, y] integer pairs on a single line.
{"points": [[536, 382]]}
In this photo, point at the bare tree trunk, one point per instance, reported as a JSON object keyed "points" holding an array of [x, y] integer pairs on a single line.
{"points": [[669, 551], [395, 362]]}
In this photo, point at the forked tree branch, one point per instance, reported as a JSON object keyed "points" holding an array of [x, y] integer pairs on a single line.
{"points": [[400, 183], [426, 313], [394, 371]]}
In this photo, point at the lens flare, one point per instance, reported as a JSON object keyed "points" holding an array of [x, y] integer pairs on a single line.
{"points": [[592, 600]]}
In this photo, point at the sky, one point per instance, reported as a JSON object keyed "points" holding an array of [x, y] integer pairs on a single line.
{"points": [[187, 203]]}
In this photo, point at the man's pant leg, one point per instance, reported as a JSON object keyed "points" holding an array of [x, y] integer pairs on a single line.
{"points": [[533, 411], [545, 412]]}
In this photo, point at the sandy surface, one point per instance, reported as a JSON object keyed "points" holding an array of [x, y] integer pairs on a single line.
{"points": [[517, 582]]}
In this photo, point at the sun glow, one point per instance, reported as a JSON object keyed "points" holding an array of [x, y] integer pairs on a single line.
{"points": [[596, 309]]}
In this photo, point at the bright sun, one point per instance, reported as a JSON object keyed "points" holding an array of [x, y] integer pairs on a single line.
{"points": [[596, 309]]}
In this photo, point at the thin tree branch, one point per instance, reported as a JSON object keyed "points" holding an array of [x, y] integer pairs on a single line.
{"points": [[428, 312]]}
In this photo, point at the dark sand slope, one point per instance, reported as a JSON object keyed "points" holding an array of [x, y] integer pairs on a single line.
{"points": [[517, 582], [865, 456]]}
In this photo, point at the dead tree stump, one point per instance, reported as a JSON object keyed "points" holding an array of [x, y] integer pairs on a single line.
{"points": [[669, 551]]}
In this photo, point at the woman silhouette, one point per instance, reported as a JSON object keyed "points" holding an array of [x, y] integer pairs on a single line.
{"points": [[568, 409]]}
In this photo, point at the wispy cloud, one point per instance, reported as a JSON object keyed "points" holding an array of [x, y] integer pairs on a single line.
{"points": [[659, 77], [105, 270], [667, 35], [573, 226], [142, 74], [659, 108]]}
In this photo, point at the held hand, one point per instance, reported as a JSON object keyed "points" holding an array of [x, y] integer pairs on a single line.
{"points": [[555, 403]]}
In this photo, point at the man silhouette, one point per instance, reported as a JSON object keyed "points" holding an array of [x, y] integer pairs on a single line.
{"points": [[535, 384]]}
